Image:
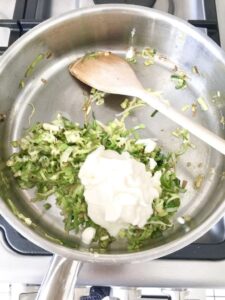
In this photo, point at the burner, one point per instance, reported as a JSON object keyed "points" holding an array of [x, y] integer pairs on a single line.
{"points": [[148, 3]]}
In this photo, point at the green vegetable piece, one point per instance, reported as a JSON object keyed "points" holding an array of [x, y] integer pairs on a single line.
{"points": [[21, 84], [49, 158], [154, 113], [195, 70], [132, 60], [148, 54], [47, 206], [186, 107], [184, 135], [179, 80], [33, 65], [128, 106], [202, 104], [16, 212], [198, 181]]}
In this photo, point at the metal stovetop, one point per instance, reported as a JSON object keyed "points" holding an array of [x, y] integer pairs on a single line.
{"points": [[161, 273]]}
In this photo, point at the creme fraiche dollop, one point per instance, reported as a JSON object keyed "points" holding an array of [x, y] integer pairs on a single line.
{"points": [[118, 190]]}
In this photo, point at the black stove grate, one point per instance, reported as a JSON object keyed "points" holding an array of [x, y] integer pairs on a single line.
{"points": [[211, 21], [29, 13], [147, 3], [32, 9]]}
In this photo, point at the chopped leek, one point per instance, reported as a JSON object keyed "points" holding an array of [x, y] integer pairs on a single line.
{"points": [[202, 104], [180, 80], [51, 154]]}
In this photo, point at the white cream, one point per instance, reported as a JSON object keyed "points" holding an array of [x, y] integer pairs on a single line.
{"points": [[118, 190], [130, 53], [88, 235], [149, 144], [152, 164]]}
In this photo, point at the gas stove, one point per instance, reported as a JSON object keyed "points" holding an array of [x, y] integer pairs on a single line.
{"points": [[23, 264]]}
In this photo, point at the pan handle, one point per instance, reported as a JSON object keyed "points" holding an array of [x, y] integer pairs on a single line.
{"points": [[60, 279]]}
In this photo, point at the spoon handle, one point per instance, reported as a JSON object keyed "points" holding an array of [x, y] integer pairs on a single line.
{"points": [[199, 131]]}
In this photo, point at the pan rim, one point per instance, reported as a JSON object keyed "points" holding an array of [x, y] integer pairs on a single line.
{"points": [[126, 257]]}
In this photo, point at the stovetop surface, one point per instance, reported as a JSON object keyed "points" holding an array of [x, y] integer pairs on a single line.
{"points": [[28, 13]]}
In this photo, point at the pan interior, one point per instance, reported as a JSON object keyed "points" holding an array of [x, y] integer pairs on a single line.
{"points": [[52, 90]]}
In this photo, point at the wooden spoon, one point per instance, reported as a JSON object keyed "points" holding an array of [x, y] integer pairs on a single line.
{"points": [[110, 73]]}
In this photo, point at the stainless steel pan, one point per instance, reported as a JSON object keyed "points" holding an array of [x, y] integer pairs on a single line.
{"points": [[109, 27]]}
